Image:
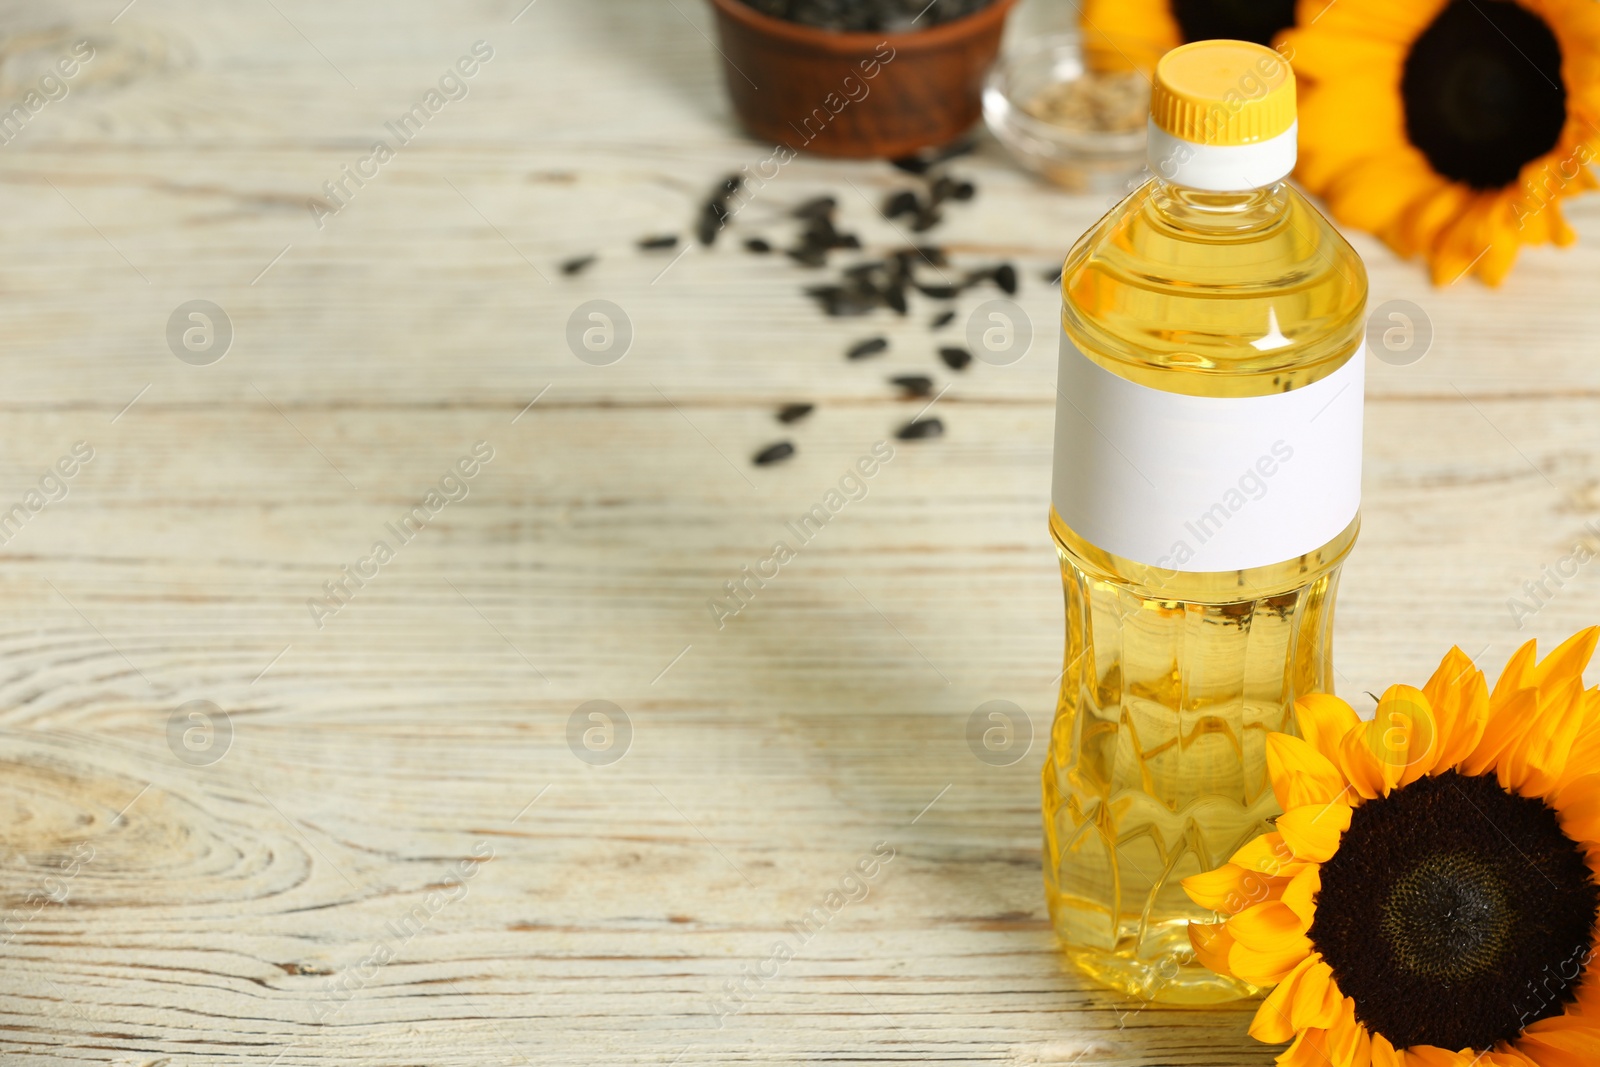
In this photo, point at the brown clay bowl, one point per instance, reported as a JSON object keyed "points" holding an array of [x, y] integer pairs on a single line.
{"points": [[858, 95]]}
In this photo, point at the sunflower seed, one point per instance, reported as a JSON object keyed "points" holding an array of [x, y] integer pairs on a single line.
{"points": [[942, 189], [920, 429], [964, 191], [809, 257], [940, 292], [577, 264], [1052, 276], [914, 385], [869, 347], [774, 453], [904, 202], [1005, 276], [943, 318], [757, 245], [795, 412], [927, 219], [818, 207], [933, 254], [955, 358], [666, 240], [895, 297]]}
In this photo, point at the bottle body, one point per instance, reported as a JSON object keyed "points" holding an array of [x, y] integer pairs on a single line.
{"points": [[1211, 355]]}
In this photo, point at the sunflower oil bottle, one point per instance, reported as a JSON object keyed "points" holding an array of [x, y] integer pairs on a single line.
{"points": [[1206, 490]]}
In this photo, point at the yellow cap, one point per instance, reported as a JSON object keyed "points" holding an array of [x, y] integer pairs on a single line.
{"points": [[1223, 93]]}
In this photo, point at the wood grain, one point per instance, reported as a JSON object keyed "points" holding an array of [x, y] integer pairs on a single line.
{"points": [[398, 859]]}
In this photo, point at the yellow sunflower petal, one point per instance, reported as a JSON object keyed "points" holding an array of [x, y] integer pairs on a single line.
{"points": [[1300, 774], [1518, 674], [1267, 928], [1402, 736], [1536, 761], [1211, 943], [1274, 1020], [1459, 697], [1577, 805], [1360, 765], [1317, 1000], [1299, 895], [1269, 855], [1265, 968], [1310, 1049], [1432, 1056], [1231, 888], [1575, 1046], [1349, 1043], [1385, 1054], [1508, 720], [1569, 659], [1324, 719], [1313, 832]]}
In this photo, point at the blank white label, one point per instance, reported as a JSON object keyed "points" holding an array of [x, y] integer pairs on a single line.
{"points": [[1196, 483]]}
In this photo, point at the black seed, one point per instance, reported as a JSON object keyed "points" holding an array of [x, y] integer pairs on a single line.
{"points": [[942, 319], [1455, 913], [794, 412], [818, 207], [895, 297], [904, 202], [839, 300], [955, 358], [870, 347], [1005, 276], [712, 215], [847, 240], [927, 219], [731, 184], [809, 257], [933, 254], [914, 385], [1052, 276], [943, 188], [911, 164], [757, 245], [774, 453], [940, 292], [964, 191], [577, 264], [666, 240], [920, 429]]}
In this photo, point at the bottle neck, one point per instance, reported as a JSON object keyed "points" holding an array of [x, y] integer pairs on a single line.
{"points": [[1203, 211]]}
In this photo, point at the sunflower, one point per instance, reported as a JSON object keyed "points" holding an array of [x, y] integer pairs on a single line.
{"points": [[1429, 896], [1133, 34], [1449, 128]]}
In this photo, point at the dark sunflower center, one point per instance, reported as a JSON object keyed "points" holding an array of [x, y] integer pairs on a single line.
{"points": [[1483, 93], [1455, 914], [1239, 20]]}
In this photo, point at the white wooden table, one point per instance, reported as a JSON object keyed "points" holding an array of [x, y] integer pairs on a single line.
{"points": [[386, 852]]}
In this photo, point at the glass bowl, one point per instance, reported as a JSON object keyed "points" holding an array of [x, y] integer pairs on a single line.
{"points": [[1080, 158]]}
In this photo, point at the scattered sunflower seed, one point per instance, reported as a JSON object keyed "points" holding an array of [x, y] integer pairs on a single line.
{"points": [[940, 292], [1005, 276], [577, 264], [920, 429], [666, 240], [869, 347], [794, 412], [943, 318], [818, 207], [1053, 276], [774, 453], [955, 358], [964, 191], [757, 245], [904, 202], [914, 385]]}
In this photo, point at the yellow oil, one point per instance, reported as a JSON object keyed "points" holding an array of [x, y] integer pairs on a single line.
{"points": [[1156, 767]]}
